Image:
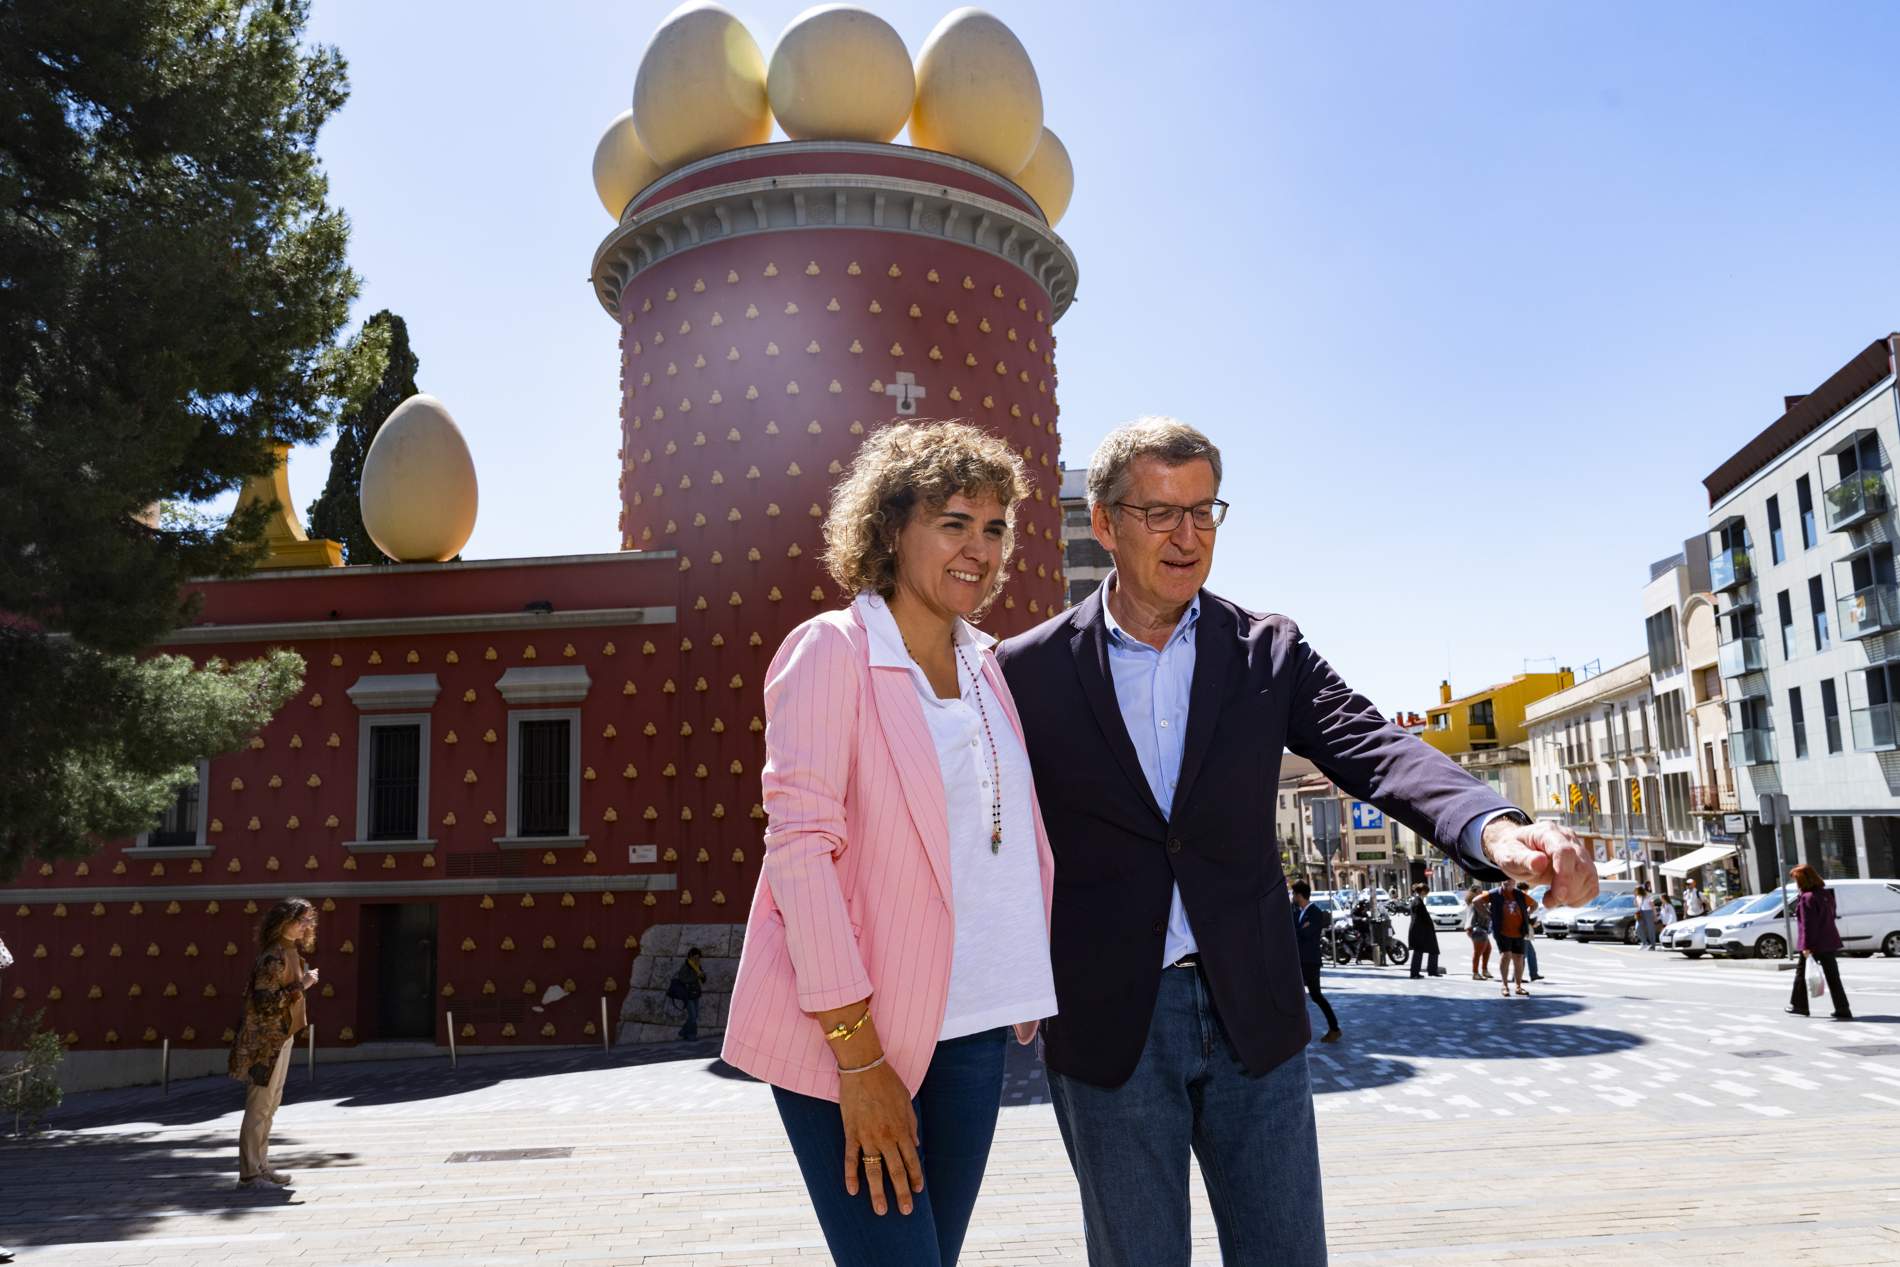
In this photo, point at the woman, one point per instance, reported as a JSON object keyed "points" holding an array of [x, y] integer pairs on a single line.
{"points": [[1478, 928], [273, 1017], [1645, 918], [685, 988], [1817, 937], [900, 926], [1421, 936]]}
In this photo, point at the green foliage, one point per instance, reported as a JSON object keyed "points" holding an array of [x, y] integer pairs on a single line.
{"points": [[172, 285], [95, 745], [175, 281], [29, 1070], [387, 368]]}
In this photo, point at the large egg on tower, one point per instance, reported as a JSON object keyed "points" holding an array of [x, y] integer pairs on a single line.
{"points": [[418, 492], [977, 93], [1049, 177], [622, 166], [840, 73], [700, 89]]}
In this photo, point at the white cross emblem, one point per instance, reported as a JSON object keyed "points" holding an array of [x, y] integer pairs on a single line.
{"points": [[904, 390]]}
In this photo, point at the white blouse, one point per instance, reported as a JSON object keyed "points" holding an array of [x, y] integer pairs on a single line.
{"points": [[999, 967]]}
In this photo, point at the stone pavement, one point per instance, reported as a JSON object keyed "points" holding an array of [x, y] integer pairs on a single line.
{"points": [[1639, 1106]]}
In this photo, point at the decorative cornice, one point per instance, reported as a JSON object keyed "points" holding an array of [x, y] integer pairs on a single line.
{"points": [[307, 630], [833, 201], [351, 889]]}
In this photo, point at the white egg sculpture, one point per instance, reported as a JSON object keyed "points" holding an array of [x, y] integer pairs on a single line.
{"points": [[622, 166], [977, 93], [1049, 177], [418, 494], [700, 89], [840, 73]]}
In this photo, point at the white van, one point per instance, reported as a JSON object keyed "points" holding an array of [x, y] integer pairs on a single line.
{"points": [[1866, 911]]}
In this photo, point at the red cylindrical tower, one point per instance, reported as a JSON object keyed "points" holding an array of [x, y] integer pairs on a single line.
{"points": [[777, 303]]}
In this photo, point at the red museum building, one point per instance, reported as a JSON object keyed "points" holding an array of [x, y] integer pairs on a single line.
{"points": [[501, 774]]}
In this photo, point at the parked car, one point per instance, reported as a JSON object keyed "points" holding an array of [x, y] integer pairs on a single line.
{"points": [[1611, 917], [1866, 911], [1447, 910], [1538, 891], [1690, 936], [1757, 929], [1558, 921]]}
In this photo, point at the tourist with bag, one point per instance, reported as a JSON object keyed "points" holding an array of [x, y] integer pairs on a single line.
{"points": [[1819, 941]]}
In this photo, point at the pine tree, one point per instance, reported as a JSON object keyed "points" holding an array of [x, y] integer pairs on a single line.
{"points": [[337, 512], [175, 282]]}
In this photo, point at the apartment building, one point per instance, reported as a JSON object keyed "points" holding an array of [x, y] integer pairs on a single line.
{"points": [[1085, 565], [1801, 541], [1596, 766], [1700, 806]]}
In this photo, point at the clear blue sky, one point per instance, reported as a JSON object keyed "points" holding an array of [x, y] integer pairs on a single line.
{"points": [[1471, 295]]}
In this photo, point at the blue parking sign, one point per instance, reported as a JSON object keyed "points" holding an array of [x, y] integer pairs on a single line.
{"points": [[1367, 817]]}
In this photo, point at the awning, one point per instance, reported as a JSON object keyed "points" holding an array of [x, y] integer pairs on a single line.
{"points": [[1702, 857], [1612, 868]]}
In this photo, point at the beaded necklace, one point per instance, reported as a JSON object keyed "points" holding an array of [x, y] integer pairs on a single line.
{"points": [[996, 762]]}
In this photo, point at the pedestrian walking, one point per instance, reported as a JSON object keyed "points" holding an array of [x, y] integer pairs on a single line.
{"points": [[899, 934], [685, 988], [1422, 937], [1478, 929], [1692, 902], [1665, 912], [1510, 911], [1309, 926], [1645, 918], [1819, 939], [1530, 933], [274, 1015]]}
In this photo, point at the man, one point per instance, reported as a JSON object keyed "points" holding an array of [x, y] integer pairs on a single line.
{"points": [[1530, 933], [1156, 714], [1509, 906], [1422, 936], [1309, 926], [1692, 903]]}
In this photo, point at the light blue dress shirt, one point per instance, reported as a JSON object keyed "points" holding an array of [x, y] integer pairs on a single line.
{"points": [[1151, 688]]}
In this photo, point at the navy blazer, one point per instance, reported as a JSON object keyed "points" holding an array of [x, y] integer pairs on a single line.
{"points": [[1309, 923], [1258, 689]]}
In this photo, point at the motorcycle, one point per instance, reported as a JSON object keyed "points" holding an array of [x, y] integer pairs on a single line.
{"points": [[1352, 940]]}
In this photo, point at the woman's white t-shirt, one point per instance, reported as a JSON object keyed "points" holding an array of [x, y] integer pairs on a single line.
{"points": [[999, 967]]}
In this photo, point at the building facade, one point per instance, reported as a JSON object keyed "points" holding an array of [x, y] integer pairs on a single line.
{"points": [[1085, 565], [1596, 766], [1491, 718], [1801, 540]]}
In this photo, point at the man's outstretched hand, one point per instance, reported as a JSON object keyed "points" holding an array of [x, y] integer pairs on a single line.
{"points": [[1543, 853]]}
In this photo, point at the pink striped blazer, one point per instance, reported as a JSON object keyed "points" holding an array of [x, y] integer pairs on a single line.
{"points": [[854, 897]]}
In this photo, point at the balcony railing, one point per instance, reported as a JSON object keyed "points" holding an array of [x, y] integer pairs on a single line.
{"points": [[1730, 568], [1856, 499], [1873, 610], [1740, 656], [1752, 747], [1713, 800], [1877, 728]]}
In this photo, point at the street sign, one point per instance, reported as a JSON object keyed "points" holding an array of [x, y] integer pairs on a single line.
{"points": [[1736, 823], [1367, 817], [1326, 826]]}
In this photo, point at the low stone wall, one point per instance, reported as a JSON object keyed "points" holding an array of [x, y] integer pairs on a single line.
{"points": [[646, 1014]]}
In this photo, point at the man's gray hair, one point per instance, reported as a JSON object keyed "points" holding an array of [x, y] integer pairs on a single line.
{"points": [[1169, 439]]}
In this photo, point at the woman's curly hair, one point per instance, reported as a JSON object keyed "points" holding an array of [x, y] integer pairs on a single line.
{"points": [[900, 468]]}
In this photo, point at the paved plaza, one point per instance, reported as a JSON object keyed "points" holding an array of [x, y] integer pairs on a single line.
{"points": [[1639, 1106]]}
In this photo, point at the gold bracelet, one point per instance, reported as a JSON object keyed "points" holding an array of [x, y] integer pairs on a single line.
{"points": [[841, 1030]]}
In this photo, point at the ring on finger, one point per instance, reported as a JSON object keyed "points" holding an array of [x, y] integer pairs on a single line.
{"points": [[872, 1159]]}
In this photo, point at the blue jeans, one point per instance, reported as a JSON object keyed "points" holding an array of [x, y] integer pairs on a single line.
{"points": [[1530, 954], [690, 1030], [956, 1117], [1255, 1139]]}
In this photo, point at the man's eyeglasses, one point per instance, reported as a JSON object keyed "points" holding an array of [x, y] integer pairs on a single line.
{"points": [[1206, 516]]}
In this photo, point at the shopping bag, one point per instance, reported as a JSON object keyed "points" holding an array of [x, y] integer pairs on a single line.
{"points": [[1817, 983]]}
